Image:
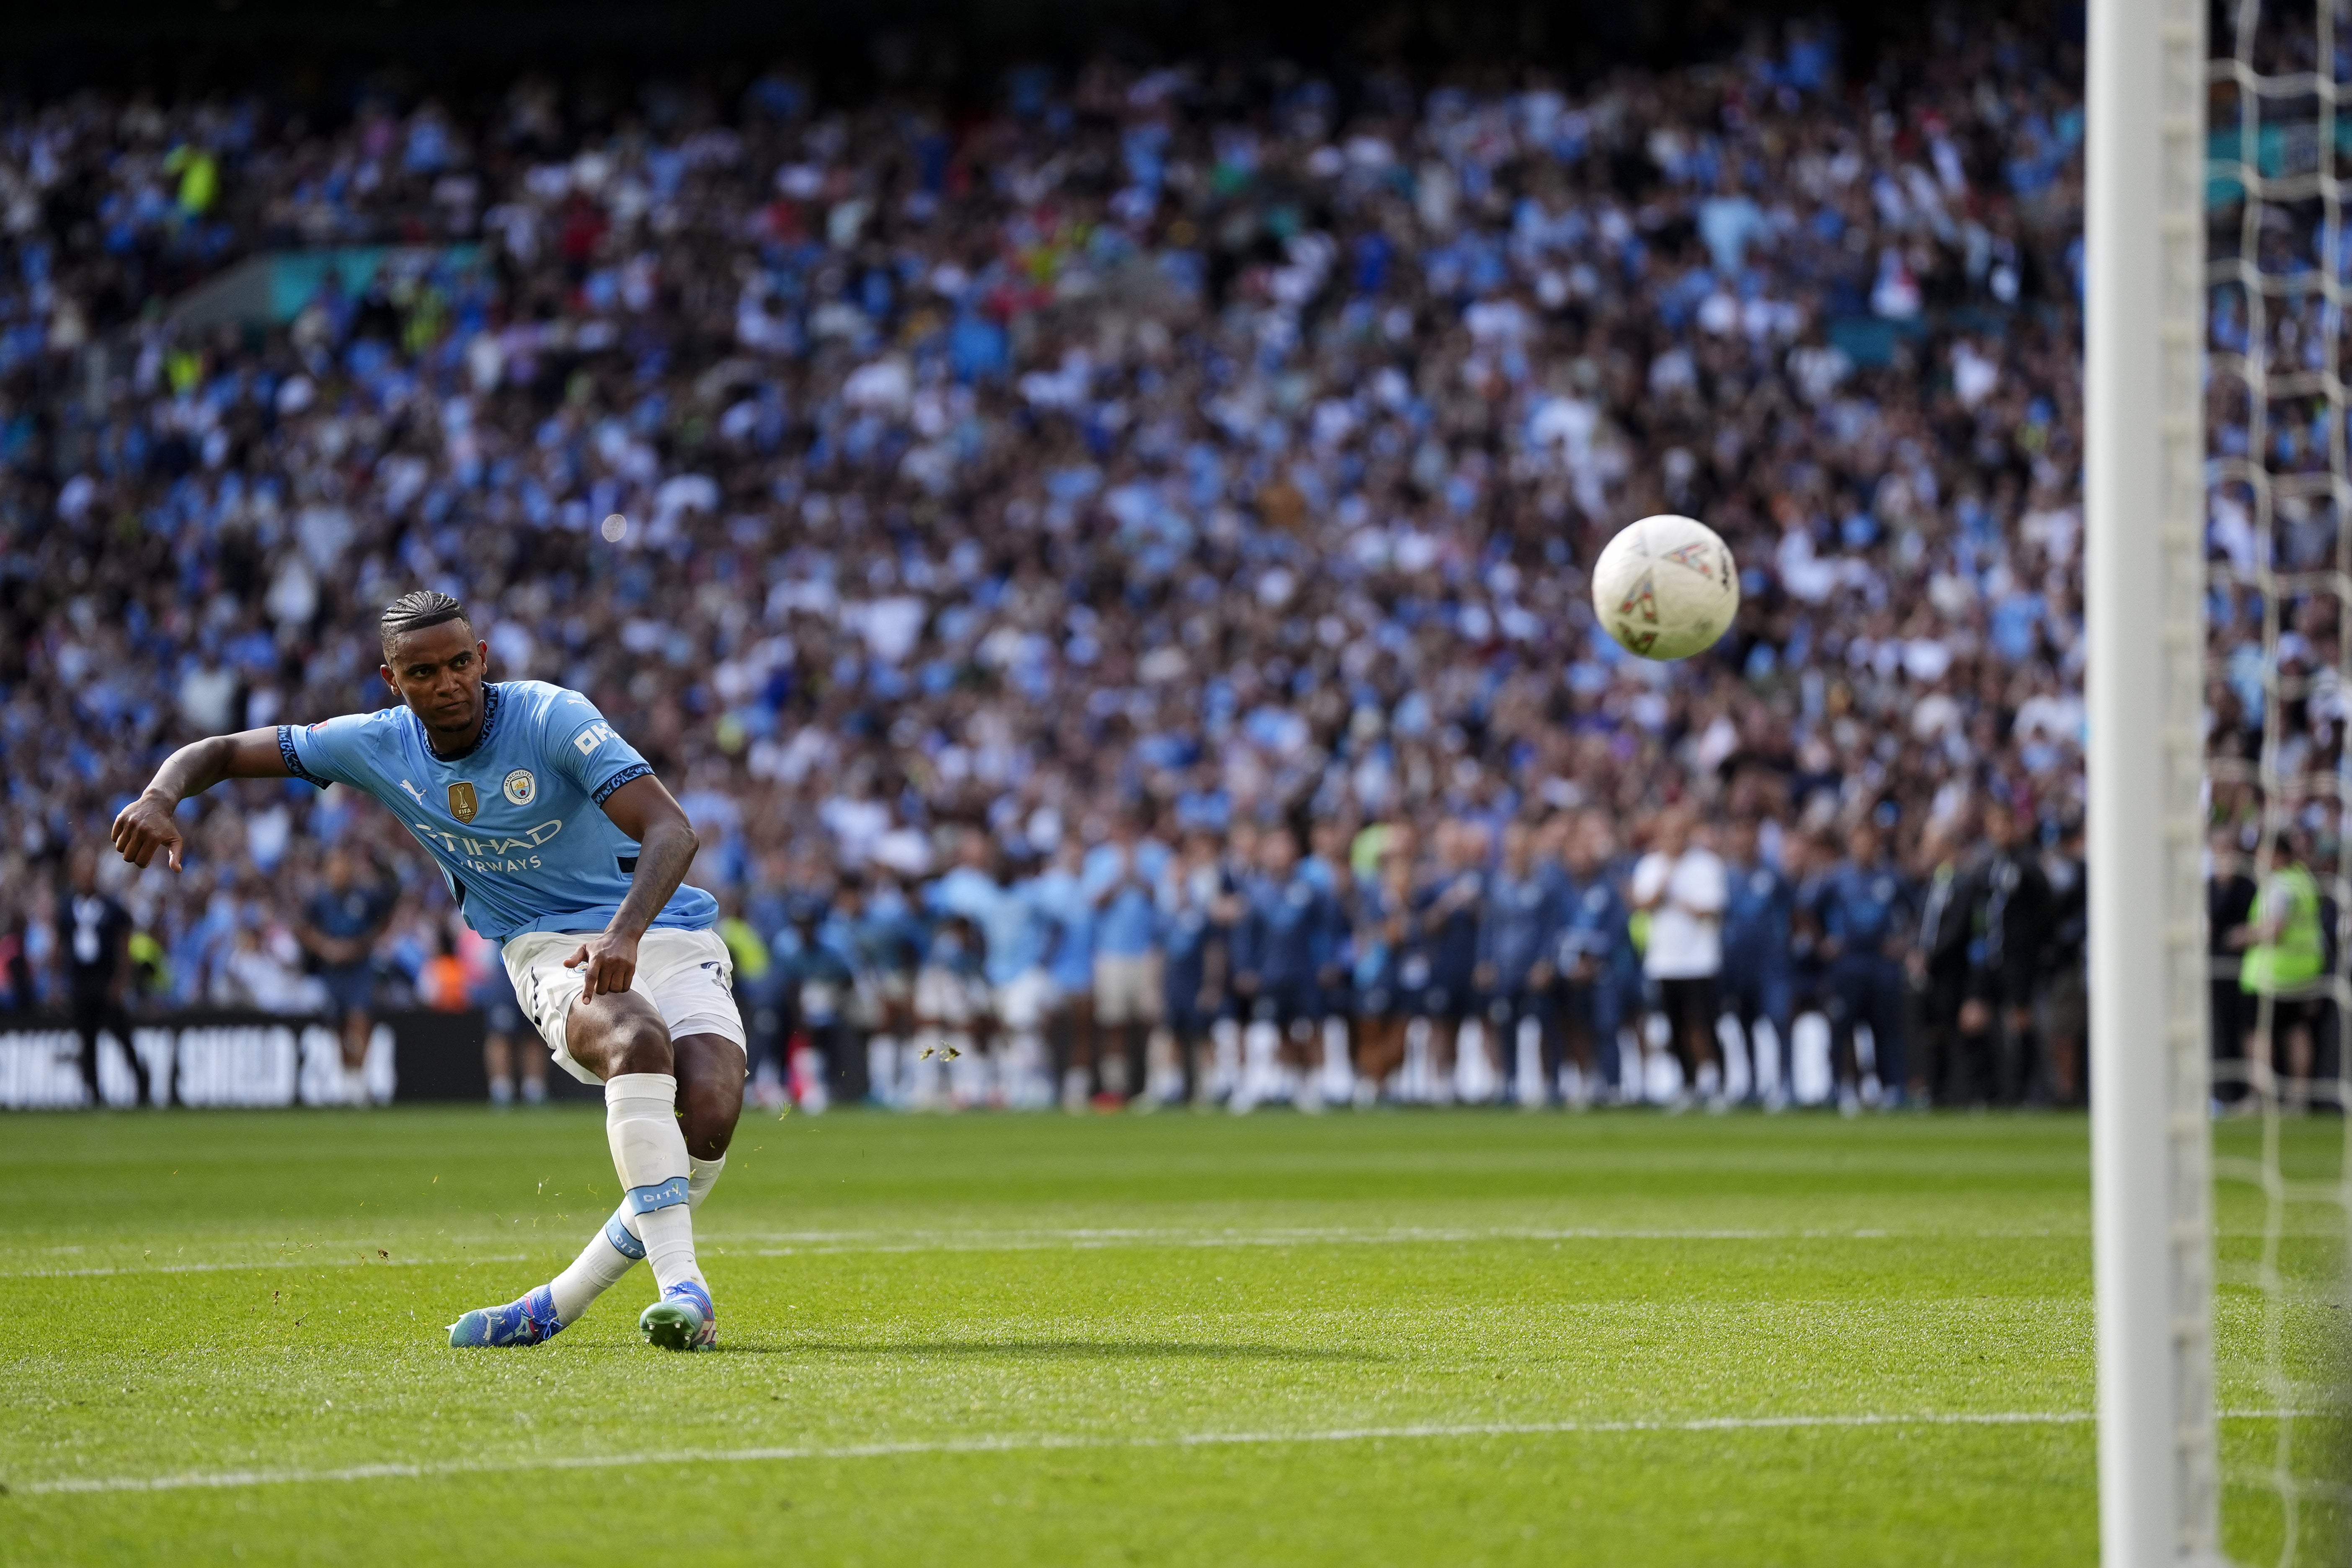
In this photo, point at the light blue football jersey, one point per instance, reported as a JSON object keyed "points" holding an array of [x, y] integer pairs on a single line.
{"points": [[517, 824]]}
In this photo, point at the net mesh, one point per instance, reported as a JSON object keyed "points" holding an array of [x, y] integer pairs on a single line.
{"points": [[2280, 628]]}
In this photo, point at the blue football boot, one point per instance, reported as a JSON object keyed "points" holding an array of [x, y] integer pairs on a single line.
{"points": [[683, 1320], [529, 1322]]}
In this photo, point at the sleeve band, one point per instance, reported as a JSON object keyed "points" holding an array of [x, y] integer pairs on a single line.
{"points": [[292, 757], [626, 775]]}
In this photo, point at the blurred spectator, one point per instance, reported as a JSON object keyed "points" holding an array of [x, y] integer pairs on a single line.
{"points": [[510, 1051], [2228, 914], [2067, 998], [2284, 974], [1955, 1043], [339, 931], [2013, 920]]}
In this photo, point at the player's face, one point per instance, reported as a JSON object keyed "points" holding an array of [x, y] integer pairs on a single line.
{"points": [[438, 672]]}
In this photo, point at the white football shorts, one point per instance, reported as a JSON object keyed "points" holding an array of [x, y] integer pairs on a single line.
{"points": [[688, 975]]}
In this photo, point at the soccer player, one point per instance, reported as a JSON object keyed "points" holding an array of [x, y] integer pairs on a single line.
{"points": [[339, 928], [1446, 912], [1682, 885], [1866, 908], [820, 989], [1280, 949], [559, 843], [1382, 917], [1013, 938], [1059, 894], [887, 939], [1593, 955], [1517, 929], [1120, 875], [1756, 984], [1194, 907]]}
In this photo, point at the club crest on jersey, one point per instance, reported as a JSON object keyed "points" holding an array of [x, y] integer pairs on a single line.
{"points": [[521, 787], [464, 804]]}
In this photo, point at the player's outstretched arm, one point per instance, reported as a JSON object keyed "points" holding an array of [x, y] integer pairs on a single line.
{"points": [[644, 810], [146, 825]]}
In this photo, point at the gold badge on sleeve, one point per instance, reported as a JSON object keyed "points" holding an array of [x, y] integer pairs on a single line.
{"points": [[463, 802]]}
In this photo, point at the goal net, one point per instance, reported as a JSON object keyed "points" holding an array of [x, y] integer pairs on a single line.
{"points": [[2220, 598]]}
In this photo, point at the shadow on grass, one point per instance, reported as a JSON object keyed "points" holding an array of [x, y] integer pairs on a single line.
{"points": [[1061, 1350]]}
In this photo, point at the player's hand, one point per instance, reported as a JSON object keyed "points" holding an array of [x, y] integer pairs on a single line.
{"points": [[144, 827], [610, 959]]}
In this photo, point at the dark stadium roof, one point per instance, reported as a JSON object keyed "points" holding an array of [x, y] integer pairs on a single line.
{"points": [[300, 48]]}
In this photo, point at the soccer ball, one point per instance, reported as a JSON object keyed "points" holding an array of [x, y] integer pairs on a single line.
{"points": [[1666, 587]]}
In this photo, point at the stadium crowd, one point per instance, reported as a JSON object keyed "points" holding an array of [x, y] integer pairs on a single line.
{"points": [[1109, 570]]}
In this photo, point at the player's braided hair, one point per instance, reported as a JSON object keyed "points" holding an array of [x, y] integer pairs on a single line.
{"points": [[414, 611]]}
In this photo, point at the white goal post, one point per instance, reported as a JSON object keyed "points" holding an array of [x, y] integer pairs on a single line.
{"points": [[2144, 495]]}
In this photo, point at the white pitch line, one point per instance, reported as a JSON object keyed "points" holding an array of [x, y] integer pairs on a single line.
{"points": [[264, 1263], [1013, 1443], [820, 1244], [1094, 1242], [801, 1244]]}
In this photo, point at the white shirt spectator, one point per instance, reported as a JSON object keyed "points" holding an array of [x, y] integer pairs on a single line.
{"points": [[1686, 928]]}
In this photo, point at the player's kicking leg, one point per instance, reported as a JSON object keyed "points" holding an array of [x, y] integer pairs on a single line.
{"points": [[670, 1111]]}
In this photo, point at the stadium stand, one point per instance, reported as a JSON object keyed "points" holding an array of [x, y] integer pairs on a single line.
{"points": [[1167, 453]]}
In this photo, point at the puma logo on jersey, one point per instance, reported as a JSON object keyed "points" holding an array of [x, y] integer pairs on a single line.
{"points": [[413, 790]]}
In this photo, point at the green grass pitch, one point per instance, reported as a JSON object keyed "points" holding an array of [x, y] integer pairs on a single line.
{"points": [[1468, 1337]]}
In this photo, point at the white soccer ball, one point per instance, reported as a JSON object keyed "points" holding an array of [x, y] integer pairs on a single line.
{"points": [[1666, 587]]}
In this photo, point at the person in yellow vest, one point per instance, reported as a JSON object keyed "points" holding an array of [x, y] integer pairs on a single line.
{"points": [[2286, 966], [756, 997]]}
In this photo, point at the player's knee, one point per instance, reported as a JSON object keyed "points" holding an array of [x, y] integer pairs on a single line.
{"points": [[707, 1115], [642, 1045], [629, 1041]]}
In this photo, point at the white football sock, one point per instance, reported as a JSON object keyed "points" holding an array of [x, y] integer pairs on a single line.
{"points": [[649, 1152], [613, 1251]]}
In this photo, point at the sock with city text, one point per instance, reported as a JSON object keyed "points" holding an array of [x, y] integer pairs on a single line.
{"points": [[613, 1251], [649, 1153]]}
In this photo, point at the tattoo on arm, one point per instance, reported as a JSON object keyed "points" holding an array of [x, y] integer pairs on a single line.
{"points": [[663, 857]]}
